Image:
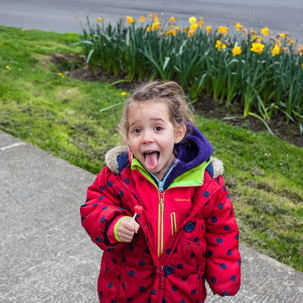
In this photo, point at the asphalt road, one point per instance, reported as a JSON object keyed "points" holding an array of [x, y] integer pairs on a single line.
{"points": [[59, 16]]}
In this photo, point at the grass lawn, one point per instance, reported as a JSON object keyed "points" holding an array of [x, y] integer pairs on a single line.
{"points": [[64, 117]]}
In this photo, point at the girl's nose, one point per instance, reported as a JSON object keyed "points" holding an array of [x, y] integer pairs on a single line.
{"points": [[147, 137]]}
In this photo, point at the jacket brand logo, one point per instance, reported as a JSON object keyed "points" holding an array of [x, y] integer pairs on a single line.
{"points": [[177, 199]]}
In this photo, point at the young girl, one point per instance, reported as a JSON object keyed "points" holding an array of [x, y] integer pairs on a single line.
{"points": [[187, 233]]}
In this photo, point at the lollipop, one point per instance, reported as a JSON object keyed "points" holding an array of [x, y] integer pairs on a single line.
{"points": [[138, 210]]}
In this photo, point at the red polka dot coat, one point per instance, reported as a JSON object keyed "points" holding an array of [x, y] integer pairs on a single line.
{"points": [[199, 239]]}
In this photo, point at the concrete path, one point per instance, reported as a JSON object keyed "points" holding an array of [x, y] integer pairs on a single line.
{"points": [[59, 16], [46, 256]]}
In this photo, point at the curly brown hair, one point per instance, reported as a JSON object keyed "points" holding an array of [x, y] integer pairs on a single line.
{"points": [[170, 93]]}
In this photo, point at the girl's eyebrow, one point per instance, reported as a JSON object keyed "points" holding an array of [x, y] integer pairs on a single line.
{"points": [[157, 119], [134, 123], [153, 119]]}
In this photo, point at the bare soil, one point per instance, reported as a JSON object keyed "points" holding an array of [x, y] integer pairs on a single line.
{"points": [[205, 106]]}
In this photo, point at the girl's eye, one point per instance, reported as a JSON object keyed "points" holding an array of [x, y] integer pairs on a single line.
{"points": [[136, 131], [158, 128]]}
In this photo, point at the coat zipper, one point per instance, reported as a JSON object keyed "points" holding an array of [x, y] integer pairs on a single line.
{"points": [[160, 239], [160, 224]]}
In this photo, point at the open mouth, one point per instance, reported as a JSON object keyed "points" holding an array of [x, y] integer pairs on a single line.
{"points": [[151, 159]]}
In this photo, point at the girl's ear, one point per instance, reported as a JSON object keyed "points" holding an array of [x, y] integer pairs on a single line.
{"points": [[180, 133]]}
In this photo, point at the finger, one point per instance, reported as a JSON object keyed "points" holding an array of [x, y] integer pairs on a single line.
{"points": [[136, 226], [129, 226], [126, 238], [123, 232]]}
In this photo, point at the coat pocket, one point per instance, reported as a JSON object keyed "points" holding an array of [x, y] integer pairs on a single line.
{"points": [[193, 232]]}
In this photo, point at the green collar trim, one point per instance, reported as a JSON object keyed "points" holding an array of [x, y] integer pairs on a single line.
{"points": [[137, 165], [193, 177]]}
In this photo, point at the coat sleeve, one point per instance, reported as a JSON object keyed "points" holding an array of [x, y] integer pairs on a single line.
{"points": [[223, 261], [103, 204]]}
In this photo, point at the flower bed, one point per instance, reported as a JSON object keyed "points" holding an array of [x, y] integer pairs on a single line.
{"points": [[262, 72]]}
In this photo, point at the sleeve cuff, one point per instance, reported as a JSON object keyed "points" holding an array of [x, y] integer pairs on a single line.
{"points": [[112, 232]]}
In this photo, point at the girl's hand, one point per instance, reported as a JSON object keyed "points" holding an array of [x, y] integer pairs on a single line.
{"points": [[126, 230]]}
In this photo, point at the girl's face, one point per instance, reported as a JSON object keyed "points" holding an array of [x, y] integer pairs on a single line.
{"points": [[151, 135]]}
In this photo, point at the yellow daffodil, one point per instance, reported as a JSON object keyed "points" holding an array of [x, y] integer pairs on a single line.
{"points": [[244, 31], [279, 42], [99, 19], [185, 29], [285, 50], [193, 27], [264, 31], [223, 30], [257, 47], [190, 33], [148, 29], [236, 51], [208, 28], [300, 49], [142, 19], [150, 15], [156, 19], [130, 20], [172, 19], [282, 35], [155, 26], [201, 22], [192, 20], [275, 50], [238, 26], [123, 94], [173, 30], [291, 41], [219, 45]]}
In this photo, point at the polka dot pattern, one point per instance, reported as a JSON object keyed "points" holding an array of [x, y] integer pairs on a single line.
{"points": [[131, 273], [219, 240], [206, 194], [204, 242], [226, 227]]}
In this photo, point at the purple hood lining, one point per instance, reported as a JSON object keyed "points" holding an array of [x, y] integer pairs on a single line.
{"points": [[192, 151]]}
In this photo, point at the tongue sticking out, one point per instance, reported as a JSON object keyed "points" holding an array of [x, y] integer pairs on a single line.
{"points": [[151, 160]]}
